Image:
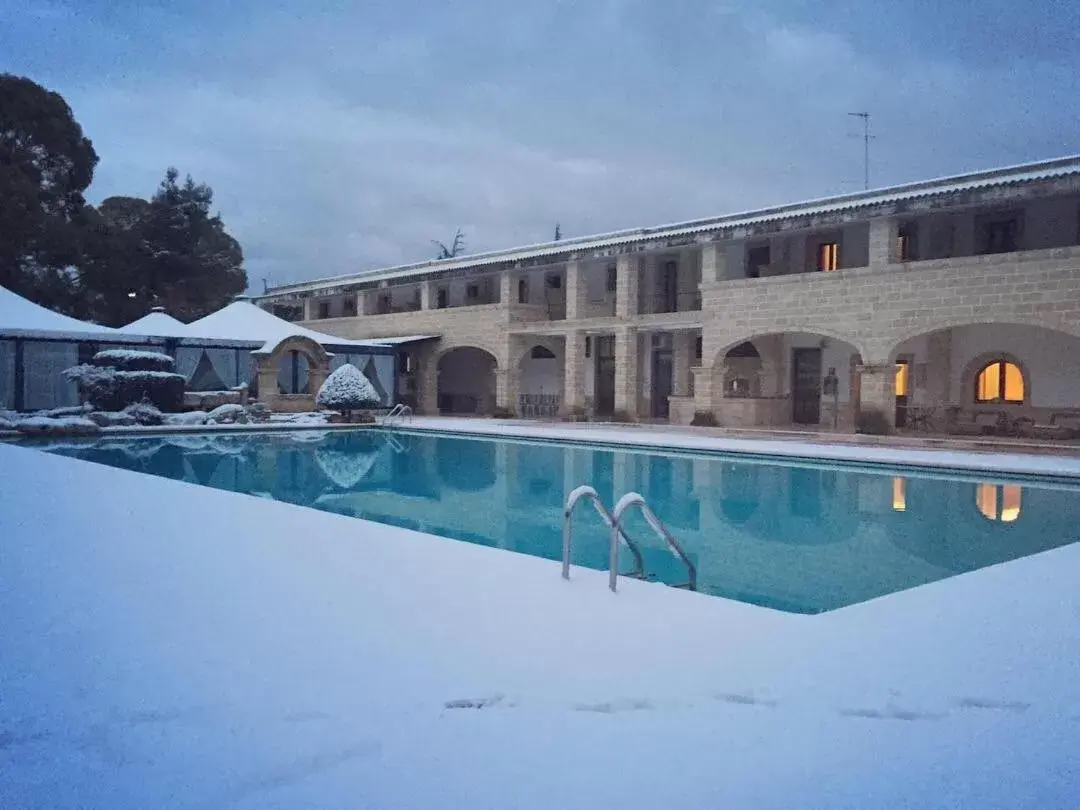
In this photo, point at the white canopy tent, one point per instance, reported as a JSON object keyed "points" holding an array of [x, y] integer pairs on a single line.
{"points": [[25, 318], [242, 320], [159, 323]]}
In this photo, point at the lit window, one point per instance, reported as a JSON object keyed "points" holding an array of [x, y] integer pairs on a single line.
{"points": [[998, 502], [903, 372], [828, 256], [899, 499], [999, 381]]}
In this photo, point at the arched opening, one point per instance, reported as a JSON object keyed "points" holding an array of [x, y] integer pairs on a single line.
{"points": [[784, 379], [990, 378], [466, 381], [540, 382], [291, 373]]}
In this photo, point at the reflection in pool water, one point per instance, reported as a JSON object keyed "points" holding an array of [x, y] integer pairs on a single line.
{"points": [[790, 535]]}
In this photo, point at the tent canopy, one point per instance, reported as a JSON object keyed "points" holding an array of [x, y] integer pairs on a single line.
{"points": [[18, 315], [242, 320], [158, 323]]}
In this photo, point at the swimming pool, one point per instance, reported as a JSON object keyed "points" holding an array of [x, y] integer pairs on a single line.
{"points": [[787, 534]]}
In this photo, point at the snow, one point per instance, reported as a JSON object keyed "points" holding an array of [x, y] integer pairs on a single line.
{"points": [[242, 320], [230, 413], [159, 324], [347, 389], [17, 314], [61, 424], [189, 418], [688, 439], [109, 356], [167, 645]]}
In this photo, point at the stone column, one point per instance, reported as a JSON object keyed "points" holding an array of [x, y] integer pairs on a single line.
{"points": [[506, 390], [427, 295], [626, 290], [367, 302], [427, 385], [884, 241], [626, 371], [939, 366], [573, 398], [877, 391], [508, 287], [703, 388], [311, 308], [713, 263], [577, 300], [682, 359]]}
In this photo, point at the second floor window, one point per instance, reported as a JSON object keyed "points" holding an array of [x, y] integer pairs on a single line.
{"points": [[1001, 235], [907, 243], [472, 292], [828, 257], [383, 303], [523, 291], [612, 279], [324, 309], [441, 298], [350, 305], [756, 259]]}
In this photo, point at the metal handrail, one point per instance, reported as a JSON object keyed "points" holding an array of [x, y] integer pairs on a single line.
{"points": [[401, 411], [568, 518], [627, 501]]}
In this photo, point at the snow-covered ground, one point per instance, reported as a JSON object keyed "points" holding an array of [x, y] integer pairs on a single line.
{"points": [[166, 645], [690, 439]]}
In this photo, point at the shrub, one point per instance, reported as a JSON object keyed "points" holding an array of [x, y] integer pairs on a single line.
{"points": [[227, 415], [873, 422], [704, 419], [144, 413], [109, 389], [129, 360], [500, 412], [347, 390]]}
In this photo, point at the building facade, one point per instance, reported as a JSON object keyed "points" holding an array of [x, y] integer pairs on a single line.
{"points": [[954, 299]]}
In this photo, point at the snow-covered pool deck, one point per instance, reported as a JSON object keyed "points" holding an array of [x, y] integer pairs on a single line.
{"points": [[167, 645]]}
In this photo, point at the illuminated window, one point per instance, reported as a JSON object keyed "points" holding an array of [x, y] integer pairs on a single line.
{"points": [[998, 502], [899, 499], [903, 374], [999, 381], [828, 256]]}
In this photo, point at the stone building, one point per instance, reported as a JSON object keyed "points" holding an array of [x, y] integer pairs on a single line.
{"points": [[958, 298]]}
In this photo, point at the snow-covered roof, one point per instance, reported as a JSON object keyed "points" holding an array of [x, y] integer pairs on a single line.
{"points": [[1008, 176], [157, 322], [242, 320], [18, 315]]}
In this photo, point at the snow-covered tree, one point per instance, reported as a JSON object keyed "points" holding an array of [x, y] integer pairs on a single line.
{"points": [[347, 390]]}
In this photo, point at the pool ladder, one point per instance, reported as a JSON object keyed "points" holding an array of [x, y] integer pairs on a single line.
{"points": [[613, 520], [400, 412]]}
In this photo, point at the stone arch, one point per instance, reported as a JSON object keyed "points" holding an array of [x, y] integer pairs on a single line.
{"points": [[719, 345], [981, 361], [941, 324], [466, 380], [269, 361]]}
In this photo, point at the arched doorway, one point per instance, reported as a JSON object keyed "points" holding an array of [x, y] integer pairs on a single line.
{"points": [[466, 382], [540, 382]]}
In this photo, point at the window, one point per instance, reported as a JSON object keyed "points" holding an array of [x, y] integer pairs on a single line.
{"points": [[1001, 235], [554, 281], [612, 279], [998, 502], [472, 292], [441, 298], [907, 244], [698, 347], [382, 305], [349, 307], [541, 353], [588, 346], [523, 291], [324, 309], [999, 381], [757, 258], [828, 256]]}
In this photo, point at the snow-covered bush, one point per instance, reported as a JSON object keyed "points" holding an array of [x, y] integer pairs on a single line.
{"points": [[347, 390], [129, 360], [145, 413], [345, 469], [227, 415], [107, 389], [67, 426], [70, 410], [110, 419], [189, 418], [7, 424]]}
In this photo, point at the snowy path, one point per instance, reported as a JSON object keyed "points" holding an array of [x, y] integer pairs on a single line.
{"points": [[166, 645]]}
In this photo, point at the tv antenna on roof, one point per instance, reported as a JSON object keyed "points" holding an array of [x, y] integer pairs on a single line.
{"points": [[865, 116]]}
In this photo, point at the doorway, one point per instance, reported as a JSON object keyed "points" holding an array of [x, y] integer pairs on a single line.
{"points": [[806, 386], [903, 389], [662, 371], [669, 288], [604, 378]]}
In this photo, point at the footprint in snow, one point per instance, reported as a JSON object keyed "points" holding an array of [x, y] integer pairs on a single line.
{"points": [[891, 712], [744, 700], [475, 703], [612, 707], [990, 703]]}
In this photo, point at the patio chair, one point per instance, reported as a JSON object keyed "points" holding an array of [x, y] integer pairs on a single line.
{"points": [[983, 423]]}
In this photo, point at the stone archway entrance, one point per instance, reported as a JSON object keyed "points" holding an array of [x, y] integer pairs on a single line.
{"points": [[466, 381], [291, 373]]}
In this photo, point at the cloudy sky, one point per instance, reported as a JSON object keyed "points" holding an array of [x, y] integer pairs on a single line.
{"points": [[342, 136]]}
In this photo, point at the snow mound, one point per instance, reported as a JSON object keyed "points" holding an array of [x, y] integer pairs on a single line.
{"points": [[131, 360], [189, 418], [347, 389], [230, 414], [112, 419], [67, 426]]}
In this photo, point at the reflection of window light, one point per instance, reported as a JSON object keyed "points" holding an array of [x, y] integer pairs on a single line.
{"points": [[899, 501], [998, 502]]}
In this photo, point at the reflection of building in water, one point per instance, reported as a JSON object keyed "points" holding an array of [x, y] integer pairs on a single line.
{"points": [[899, 500], [998, 502]]}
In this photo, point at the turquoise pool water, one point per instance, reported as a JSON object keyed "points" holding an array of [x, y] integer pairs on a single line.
{"points": [[796, 536]]}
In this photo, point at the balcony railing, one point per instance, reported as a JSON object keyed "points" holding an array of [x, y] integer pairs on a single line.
{"points": [[689, 301]]}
